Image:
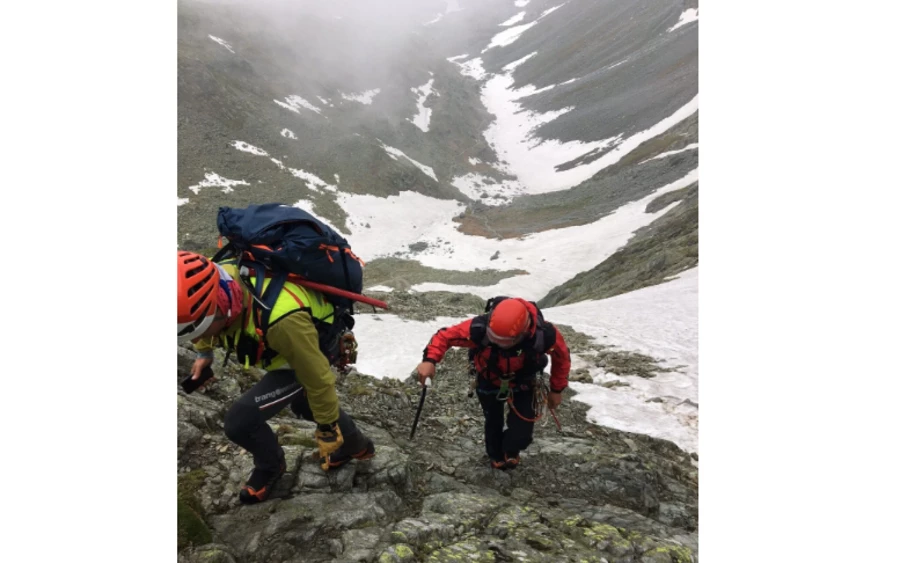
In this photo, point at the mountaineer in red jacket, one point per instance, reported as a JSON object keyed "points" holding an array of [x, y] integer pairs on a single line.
{"points": [[508, 347]]}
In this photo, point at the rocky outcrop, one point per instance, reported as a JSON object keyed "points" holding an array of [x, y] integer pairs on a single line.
{"points": [[583, 493]]}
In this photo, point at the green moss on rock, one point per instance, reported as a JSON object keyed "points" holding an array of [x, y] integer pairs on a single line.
{"points": [[192, 530]]}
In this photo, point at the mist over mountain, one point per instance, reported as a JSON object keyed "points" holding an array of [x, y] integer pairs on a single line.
{"points": [[532, 115], [466, 148]]}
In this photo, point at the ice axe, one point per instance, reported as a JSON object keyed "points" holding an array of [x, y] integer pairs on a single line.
{"points": [[419, 410]]}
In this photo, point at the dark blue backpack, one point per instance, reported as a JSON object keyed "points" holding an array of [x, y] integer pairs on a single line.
{"points": [[279, 241]]}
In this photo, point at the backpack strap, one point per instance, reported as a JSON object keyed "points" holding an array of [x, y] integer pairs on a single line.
{"points": [[262, 301], [225, 252], [541, 333]]}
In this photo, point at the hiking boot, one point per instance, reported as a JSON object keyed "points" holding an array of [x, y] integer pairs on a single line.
{"points": [[342, 455], [511, 462], [259, 485], [501, 465], [329, 439]]}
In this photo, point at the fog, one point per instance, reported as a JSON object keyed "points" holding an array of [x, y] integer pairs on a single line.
{"points": [[356, 43]]}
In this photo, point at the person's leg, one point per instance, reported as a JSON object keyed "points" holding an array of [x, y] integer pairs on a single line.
{"points": [[356, 444], [245, 425], [245, 422], [519, 432], [297, 340], [493, 424]]}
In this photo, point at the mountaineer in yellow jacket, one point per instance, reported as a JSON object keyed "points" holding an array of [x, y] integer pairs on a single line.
{"points": [[213, 310]]}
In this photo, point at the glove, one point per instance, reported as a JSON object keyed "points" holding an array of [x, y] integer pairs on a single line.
{"points": [[425, 371], [329, 439]]}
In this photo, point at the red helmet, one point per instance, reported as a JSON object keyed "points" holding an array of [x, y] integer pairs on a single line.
{"points": [[198, 284], [509, 323]]}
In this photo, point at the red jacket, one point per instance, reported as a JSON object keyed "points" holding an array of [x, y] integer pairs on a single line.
{"points": [[523, 360]]}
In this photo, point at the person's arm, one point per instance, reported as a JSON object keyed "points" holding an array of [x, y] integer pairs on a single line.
{"points": [[440, 343], [559, 369], [446, 338], [295, 337], [204, 348]]}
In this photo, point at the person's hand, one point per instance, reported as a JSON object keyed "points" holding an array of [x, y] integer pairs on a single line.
{"points": [[554, 399], [425, 371], [201, 364]]}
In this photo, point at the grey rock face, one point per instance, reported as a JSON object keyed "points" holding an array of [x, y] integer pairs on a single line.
{"points": [[586, 493]]}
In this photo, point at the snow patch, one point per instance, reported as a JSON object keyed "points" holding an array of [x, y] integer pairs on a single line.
{"points": [[687, 16], [487, 190], [534, 161], [509, 35], [398, 359], [294, 103], [515, 19], [549, 11], [473, 68], [182, 201], [305, 205], [213, 180], [423, 117], [692, 146], [564, 252], [397, 221], [394, 153], [313, 182], [247, 147], [515, 64], [288, 133], [221, 42], [582, 173], [660, 321], [383, 288], [363, 97]]}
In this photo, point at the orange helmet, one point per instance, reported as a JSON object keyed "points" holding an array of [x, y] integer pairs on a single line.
{"points": [[509, 323], [198, 284]]}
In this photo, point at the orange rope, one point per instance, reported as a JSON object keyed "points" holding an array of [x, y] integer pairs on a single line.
{"points": [[540, 400], [538, 410]]}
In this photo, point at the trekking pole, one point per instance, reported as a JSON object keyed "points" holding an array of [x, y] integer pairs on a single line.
{"points": [[419, 410]]}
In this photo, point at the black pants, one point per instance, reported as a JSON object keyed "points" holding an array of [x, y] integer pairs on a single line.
{"points": [[245, 421], [518, 433]]}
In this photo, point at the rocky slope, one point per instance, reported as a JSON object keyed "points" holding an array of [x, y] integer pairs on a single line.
{"points": [[585, 493]]}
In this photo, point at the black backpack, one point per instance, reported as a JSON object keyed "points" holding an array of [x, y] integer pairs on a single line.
{"points": [[286, 243]]}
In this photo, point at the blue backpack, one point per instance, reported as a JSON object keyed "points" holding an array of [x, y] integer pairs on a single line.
{"points": [[280, 242]]}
